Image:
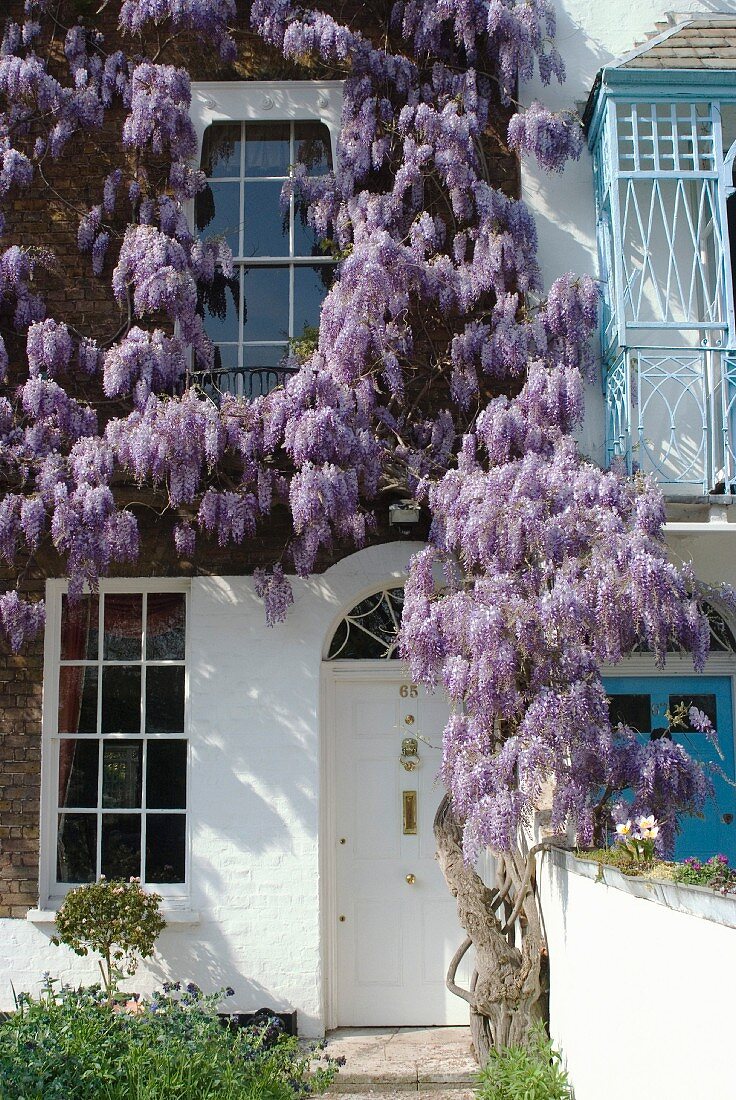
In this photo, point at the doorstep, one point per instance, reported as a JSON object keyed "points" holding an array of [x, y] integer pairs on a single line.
{"points": [[382, 1062]]}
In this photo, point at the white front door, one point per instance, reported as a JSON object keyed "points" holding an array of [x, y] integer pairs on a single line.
{"points": [[396, 923]]}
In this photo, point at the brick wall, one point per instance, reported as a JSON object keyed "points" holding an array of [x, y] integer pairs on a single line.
{"points": [[20, 780]]}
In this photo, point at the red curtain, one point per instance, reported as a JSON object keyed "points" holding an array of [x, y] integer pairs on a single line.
{"points": [[75, 634]]}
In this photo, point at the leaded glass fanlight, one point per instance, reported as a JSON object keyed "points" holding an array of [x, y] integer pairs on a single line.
{"points": [[370, 630], [721, 635], [661, 125]]}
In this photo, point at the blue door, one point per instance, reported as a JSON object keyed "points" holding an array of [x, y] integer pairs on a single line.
{"points": [[642, 702]]}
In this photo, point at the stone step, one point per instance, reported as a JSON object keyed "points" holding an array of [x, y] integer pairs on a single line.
{"points": [[390, 1092], [359, 1083], [432, 1063], [404, 1077]]}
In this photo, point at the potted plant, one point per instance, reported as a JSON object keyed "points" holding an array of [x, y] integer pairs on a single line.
{"points": [[118, 920]]}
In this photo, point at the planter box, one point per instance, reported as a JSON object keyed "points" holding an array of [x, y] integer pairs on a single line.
{"points": [[695, 901]]}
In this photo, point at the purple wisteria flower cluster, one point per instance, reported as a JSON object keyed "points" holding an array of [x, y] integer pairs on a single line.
{"points": [[539, 566]]}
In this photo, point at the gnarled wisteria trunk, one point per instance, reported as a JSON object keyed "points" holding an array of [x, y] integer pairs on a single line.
{"points": [[508, 992]]}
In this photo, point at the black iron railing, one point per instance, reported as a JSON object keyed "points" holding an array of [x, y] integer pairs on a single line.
{"points": [[246, 382]]}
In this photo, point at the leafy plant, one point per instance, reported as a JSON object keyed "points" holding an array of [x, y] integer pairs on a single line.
{"points": [[71, 1045], [638, 844], [616, 857], [525, 1073], [714, 872], [119, 920], [301, 347]]}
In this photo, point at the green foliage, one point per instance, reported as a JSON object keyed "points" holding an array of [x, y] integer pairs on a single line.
{"points": [[616, 857], [71, 1045], [301, 347], [714, 873], [116, 919], [533, 1073]]}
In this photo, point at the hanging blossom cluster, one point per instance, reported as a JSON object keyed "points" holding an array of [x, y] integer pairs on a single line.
{"points": [[539, 567], [57, 458]]}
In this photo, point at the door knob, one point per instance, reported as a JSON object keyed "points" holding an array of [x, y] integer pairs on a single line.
{"points": [[411, 879]]}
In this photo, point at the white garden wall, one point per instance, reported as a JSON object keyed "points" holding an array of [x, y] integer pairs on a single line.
{"points": [[642, 979], [255, 909]]}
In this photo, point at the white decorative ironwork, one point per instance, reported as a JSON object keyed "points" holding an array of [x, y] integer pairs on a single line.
{"points": [[370, 631], [672, 413], [671, 253]]}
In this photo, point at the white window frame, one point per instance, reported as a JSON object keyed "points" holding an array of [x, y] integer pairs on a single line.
{"points": [[176, 896], [265, 101]]}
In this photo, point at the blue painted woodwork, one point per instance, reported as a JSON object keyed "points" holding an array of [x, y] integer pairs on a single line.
{"points": [[663, 190], [653, 697]]}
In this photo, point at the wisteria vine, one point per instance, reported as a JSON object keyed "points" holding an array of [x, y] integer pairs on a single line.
{"points": [[539, 566]]}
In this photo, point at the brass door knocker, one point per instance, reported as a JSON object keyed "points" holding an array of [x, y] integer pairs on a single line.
{"points": [[409, 758]]}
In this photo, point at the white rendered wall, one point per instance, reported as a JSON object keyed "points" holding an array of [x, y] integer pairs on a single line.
{"points": [[254, 710], [641, 1000], [590, 35]]}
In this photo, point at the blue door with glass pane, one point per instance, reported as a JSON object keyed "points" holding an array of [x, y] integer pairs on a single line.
{"points": [[642, 702]]}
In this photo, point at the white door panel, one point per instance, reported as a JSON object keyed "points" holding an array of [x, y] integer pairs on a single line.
{"points": [[396, 939]]}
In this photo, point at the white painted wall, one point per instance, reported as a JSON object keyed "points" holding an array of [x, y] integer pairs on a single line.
{"points": [[255, 868], [641, 994]]}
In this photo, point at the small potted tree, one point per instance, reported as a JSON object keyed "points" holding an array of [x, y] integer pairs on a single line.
{"points": [[118, 920]]}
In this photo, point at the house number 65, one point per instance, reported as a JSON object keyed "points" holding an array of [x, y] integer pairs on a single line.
{"points": [[408, 691]]}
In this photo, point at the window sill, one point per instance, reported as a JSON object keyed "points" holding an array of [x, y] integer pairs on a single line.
{"points": [[171, 916]]}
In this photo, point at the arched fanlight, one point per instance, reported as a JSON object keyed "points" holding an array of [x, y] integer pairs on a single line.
{"points": [[721, 636], [370, 631]]}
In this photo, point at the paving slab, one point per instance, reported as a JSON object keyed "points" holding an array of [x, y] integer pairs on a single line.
{"points": [[388, 1061], [390, 1093]]}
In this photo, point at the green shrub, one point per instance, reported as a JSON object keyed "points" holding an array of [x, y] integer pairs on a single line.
{"points": [[714, 872], [514, 1073], [70, 1045], [119, 920]]}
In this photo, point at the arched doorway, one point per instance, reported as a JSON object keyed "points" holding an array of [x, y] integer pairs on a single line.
{"points": [[390, 922]]}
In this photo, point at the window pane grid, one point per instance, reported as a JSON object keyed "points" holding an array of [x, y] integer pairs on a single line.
{"points": [[666, 137], [280, 305], [122, 781]]}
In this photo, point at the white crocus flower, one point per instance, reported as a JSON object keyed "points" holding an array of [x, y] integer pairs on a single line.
{"points": [[646, 824], [624, 829]]}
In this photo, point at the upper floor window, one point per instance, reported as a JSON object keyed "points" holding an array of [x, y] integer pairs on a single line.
{"points": [[666, 262], [117, 750], [659, 166], [282, 268]]}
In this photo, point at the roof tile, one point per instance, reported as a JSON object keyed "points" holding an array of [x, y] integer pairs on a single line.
{"points": [[702, 43]]}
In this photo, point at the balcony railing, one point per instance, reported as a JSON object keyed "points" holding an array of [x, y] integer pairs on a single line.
{"points": [[246, 382], [671, 412]]}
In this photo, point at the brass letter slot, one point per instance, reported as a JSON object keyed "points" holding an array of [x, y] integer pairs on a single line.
{"points": [[409, 799]]}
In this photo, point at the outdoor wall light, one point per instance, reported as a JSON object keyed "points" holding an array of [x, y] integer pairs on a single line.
{"points": [[404, 516]]}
